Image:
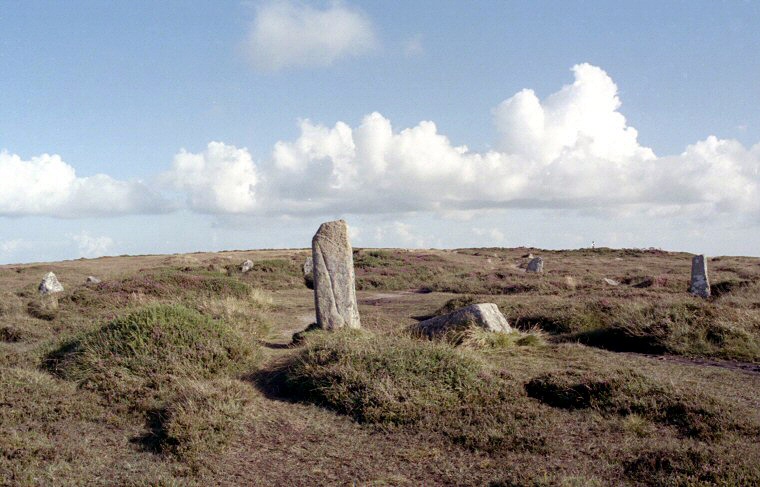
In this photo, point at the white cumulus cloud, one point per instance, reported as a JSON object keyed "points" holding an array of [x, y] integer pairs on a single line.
{"points": [[46, 185], [572, 150], [221, 179], [90, 246], [291, 34]]}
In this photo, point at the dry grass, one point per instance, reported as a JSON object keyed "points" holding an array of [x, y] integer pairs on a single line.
{"points": [[96, 391]]}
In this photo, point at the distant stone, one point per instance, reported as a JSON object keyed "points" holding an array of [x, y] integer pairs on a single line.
{"points": [[700, 283], [246, 266], [535, 265], [485, 315], [334, 286], [308, 266], [50, 284], [308, 272], [611, 282], [92, 280]]}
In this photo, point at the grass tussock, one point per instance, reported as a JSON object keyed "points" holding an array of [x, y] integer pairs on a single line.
{"points": [[135, 356], [625, 392], [201, 419], [398, 381], [480, 339], [175, 367], [248, 316]]}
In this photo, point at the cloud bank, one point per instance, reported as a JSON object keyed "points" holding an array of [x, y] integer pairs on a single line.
{"points": [[572, 150], [46, 185], [288, 34]]}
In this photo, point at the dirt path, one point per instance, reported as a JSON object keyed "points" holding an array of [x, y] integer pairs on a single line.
{"points": [[747, 367]]}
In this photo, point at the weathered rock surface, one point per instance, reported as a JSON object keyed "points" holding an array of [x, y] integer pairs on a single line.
{"points": [[308, 266], [485, 315], [246, 266], [700, 283], [333, 268], [611, 282], [92, 280], [535, 265], [50, 284], [308, 272]]}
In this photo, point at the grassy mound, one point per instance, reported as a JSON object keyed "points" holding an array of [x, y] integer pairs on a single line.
{"points": [[134, 356], [159, 284], [681, 326], [625, 392], [393, 381], [200, 419]]}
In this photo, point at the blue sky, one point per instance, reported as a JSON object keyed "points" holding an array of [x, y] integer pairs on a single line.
{"points": [[136, 91]]}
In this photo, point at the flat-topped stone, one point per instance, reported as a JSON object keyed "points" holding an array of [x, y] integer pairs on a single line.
{"points": [[700, 283], [333, 269], [484, 315]]}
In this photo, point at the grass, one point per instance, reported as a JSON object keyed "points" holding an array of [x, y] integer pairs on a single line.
{"points": [[172, 365], [626, 392], [135, 356], [402, 381], [177, 371]]}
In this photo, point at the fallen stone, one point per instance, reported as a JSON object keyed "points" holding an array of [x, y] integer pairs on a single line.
{"points": [[246, 266], [611, 282], [485, 315], [535, 265], [92, 280], [50, 284], [334, 286], [700, 283]]}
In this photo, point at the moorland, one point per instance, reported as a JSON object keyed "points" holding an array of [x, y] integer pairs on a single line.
{"points": [[181, 370]]}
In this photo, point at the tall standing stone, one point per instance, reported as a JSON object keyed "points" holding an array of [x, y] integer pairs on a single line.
{"points": [[334, 287], [535, 265], [700, 283]]}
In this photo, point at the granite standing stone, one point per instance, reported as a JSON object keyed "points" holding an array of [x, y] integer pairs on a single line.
{"points": [[535, 265], [308, 266], [50, 284], [485, 315], [334, 287], [700, 283]]}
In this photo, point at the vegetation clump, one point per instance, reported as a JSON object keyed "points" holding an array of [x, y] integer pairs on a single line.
{"points": [[398, 381], [626, 392], [171, 364], [136, 355]]}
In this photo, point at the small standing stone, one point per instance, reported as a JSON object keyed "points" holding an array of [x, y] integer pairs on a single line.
{"points": [[700, 283], [50, 284], [308, 266], [535, 265], [308, 272], [246, 266], [334, 287]]}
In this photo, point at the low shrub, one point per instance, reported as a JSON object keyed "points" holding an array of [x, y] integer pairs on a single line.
{"points": [[398, 381], [624, 392], [134, 357]]}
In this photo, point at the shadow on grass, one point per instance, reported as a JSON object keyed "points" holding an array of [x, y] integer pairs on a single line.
{"points": [[618, 340]]}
